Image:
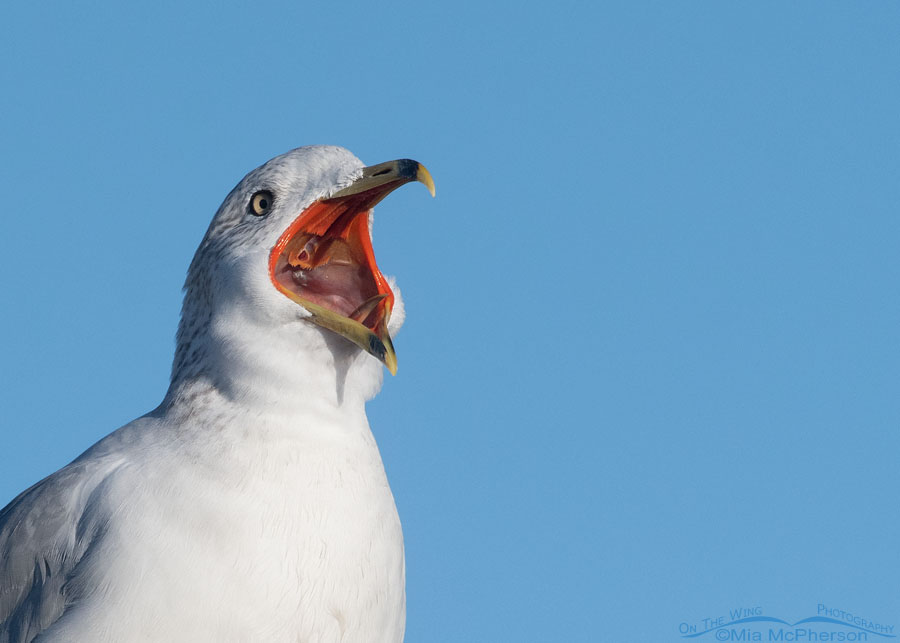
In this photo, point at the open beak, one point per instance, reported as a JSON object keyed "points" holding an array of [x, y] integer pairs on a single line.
{"points": [[324, 261]]}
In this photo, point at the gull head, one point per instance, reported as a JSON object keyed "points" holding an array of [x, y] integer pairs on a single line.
{"points": [[288, 262]]}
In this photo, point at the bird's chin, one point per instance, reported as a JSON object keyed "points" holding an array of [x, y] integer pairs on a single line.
{"points": [[324, 260]]}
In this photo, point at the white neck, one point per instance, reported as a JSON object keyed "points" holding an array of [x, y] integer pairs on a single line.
{"points": [[284, 369]]}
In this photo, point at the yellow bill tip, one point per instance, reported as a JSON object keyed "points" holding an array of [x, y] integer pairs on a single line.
{"points": [[390, 357], [423, 176]]}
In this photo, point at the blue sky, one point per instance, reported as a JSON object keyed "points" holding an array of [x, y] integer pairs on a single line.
{"points": [[651, 365]]}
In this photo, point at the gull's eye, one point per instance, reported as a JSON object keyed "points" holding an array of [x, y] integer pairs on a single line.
{"points": [[261, 203]]}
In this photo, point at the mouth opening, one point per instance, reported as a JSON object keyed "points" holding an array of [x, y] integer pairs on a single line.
{"points": [[325, 261]]}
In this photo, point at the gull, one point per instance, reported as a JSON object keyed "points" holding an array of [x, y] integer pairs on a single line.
{"points": [[252, 503]]}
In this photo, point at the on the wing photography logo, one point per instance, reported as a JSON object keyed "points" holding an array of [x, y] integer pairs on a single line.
{"points": [[753, 624]]}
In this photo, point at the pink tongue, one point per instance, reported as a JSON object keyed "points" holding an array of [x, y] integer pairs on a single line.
{"points": [[338, 286]]}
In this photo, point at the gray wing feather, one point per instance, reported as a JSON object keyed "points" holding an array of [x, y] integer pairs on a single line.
{"points": [[44, 534]]}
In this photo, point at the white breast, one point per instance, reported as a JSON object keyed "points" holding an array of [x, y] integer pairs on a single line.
{"points": [[269, 532]]}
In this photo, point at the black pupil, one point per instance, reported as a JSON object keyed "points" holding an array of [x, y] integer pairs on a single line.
{"points": [[263, 203]]}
